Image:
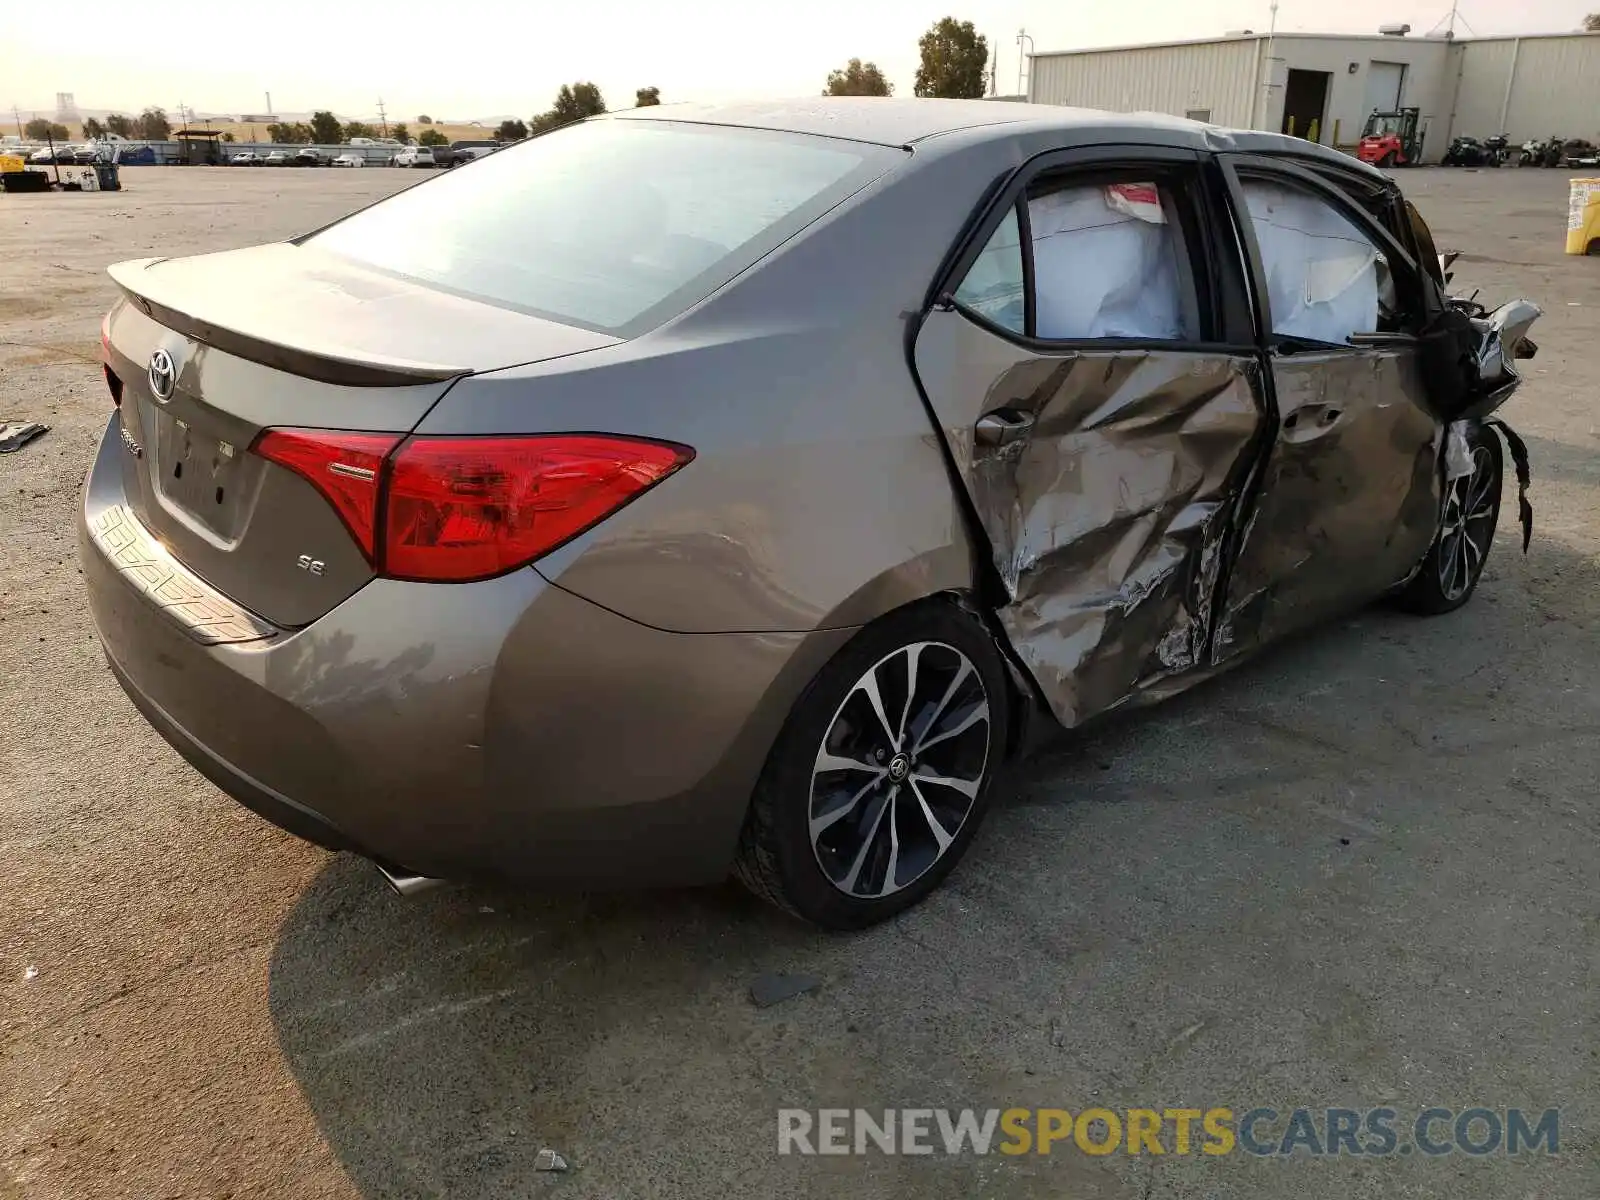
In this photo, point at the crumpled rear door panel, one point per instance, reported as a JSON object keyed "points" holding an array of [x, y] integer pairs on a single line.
{"points": [[1108, 520]]}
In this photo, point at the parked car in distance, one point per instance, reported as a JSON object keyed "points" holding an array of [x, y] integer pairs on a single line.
{"points": [[350, 160], [61, 155], [465, 151], [278, 158], [413, 156], [675, 496], [309, 158], [246, 158]]}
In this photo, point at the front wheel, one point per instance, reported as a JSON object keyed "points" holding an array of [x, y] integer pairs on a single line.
{"points": [[1450, 573], [880, 779]]}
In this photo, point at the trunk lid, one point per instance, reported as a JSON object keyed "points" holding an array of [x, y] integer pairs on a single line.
{"points": [[210, 351]]}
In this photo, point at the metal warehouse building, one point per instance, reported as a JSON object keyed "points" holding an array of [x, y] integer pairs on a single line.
{"points": [[1322, 86]]}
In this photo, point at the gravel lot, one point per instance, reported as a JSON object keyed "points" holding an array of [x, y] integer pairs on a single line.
{"points": [[1359, 871]]}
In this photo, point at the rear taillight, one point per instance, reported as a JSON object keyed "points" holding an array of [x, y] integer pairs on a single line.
{"points": [[113, 384], [455, 509], [344, 467]]}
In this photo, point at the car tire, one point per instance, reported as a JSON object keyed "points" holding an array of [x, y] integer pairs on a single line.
{"points": [[1454, 564], [848, 846], [1387, 162]]}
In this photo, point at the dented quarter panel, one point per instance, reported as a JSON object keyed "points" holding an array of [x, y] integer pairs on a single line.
{"points": [[1107, 523], [1349, 500]]}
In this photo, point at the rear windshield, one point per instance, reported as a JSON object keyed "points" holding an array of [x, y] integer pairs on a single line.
{"points": [[612, 225]]}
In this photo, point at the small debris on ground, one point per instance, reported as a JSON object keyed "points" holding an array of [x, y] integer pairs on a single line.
{"points": [[777, 987], [31, 973], [14, 435], [549, 1160]]}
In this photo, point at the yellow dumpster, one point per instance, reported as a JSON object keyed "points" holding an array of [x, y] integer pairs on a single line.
{"points": [[1583, 220], [10, 162]]}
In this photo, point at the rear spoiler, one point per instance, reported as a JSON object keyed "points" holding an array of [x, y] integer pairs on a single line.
{"points": [[323, 367]]}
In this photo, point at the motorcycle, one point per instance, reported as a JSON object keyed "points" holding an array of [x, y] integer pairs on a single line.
{"points": [[1496, 150], [1532, 153], [1464, 151]]}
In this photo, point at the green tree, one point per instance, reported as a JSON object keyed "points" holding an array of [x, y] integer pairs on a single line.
{"points": [[424, 119], [326, 129], [955, 59], [646, 96], [120, 125], [574, 102], [39, 129], [511, 131], [1591, 23], [93, 129], [153, 125], [432, 137], [287, 134], [857, 79], [228, 137], [355, 129], [400, 133]]}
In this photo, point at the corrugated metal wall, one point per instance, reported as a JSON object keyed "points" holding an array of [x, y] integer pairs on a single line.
{"points": [[1218, 77], [1478, 75], [1554, 82]]}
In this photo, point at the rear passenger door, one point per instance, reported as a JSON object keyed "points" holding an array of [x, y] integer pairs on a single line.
{"points": [[1348, 500], [1092, 363]]}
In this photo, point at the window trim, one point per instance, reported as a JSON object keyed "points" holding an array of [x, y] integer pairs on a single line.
{"points": [[1184, 171], [1291, 174]]}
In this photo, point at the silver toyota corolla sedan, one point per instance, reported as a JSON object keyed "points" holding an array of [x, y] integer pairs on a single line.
{"points": [[708, 490]]}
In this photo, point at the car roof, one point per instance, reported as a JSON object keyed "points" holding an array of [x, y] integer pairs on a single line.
{"points": [[907, 122]]}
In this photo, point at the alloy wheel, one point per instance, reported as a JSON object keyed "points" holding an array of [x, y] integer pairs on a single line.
{"points": [[1468, 527], [899, 769]]}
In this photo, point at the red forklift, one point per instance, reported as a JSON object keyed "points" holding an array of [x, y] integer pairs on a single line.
{"points": [[1391, 139]]}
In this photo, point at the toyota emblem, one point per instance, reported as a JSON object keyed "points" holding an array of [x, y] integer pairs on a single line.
{"points": [[163, 375]]}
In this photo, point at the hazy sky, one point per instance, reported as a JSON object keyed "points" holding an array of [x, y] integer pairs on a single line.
{"points": [[474, 58]]}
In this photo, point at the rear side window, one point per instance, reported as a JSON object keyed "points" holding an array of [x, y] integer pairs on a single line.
{"points": [[994, 285], [1100, 259], [1105, 264], [612, 225]]}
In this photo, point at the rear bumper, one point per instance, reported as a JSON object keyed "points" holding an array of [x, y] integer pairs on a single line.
{"points": [[500, 729]]}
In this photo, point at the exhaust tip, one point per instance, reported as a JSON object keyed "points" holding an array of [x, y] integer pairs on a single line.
{"points": [[405, 883]]}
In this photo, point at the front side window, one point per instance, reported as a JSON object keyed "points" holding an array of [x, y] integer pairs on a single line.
{"points": [[612, 225], [1326, 278]]}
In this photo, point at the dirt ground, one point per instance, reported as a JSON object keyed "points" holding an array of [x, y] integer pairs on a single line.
{"points": [[1360, 871]]}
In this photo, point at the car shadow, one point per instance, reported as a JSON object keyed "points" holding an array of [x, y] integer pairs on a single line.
{"points": [[443, 1042]]}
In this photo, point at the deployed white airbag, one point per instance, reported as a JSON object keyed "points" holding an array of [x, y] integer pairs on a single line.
{"points": [[1322, 271], [1105, 264]]}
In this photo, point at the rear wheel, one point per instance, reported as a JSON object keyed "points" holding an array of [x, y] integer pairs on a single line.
{"points": [[1450, 573], [1388, 160], [880, 778]]}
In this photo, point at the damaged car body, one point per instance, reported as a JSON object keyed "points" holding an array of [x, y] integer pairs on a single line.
{"points": [[547, 524]]}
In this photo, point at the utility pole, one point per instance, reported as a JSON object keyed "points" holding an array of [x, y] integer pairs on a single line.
{"points": [[994, 70], [18, 116], [1450, 29], [383, 117], [1022, 59], [270, 113]]}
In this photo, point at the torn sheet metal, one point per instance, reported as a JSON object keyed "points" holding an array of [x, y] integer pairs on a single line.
{"points": [[1519, 458], [1107, 523], [14, 435], [1457, 452], [1349, 500]]}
